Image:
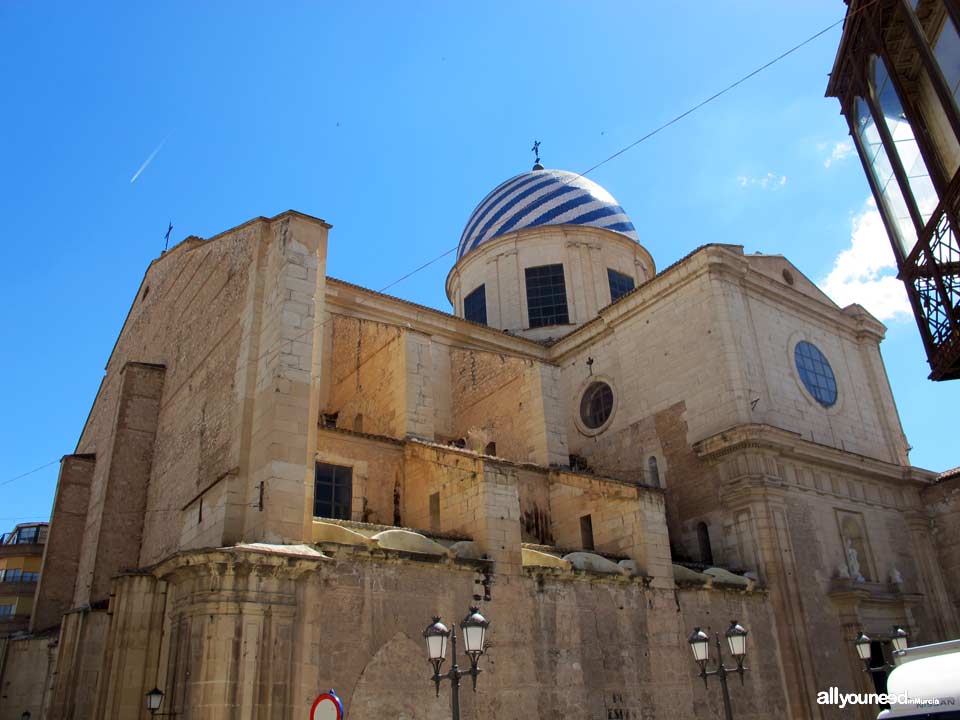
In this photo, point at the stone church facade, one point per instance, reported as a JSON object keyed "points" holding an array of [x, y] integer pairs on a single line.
{"points": [[284, 476]]}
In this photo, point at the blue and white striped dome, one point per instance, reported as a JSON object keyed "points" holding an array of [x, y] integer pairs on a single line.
{"points": [[543, 197]]}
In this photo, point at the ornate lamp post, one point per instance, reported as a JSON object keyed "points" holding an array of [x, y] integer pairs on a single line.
{"points": [[474, 627], [737, 641], [898, 638]]}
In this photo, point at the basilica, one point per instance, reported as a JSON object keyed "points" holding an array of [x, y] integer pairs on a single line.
{"points": [[285, 477]]}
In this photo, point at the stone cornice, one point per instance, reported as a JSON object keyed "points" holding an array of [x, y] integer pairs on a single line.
{"points": [[792, 445], [355, 301], [722, 260]]}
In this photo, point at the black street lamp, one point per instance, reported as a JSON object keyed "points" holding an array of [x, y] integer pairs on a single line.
{"points": [[474, 627], [737, 642], [154, 699]]}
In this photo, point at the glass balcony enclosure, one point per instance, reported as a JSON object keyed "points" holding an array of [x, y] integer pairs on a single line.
{"points": [[897, 76]]}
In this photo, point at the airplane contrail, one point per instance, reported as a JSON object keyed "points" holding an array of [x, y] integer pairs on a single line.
{"points": [[149, 159]]}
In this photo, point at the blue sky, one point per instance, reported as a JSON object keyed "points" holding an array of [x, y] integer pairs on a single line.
{"points": [[391, 121]]}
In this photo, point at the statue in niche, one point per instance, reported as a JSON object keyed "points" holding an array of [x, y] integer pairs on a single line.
{"points": [[843, 572], [895, 577], [853, 561]]}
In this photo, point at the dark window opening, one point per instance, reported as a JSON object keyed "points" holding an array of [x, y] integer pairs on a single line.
{"points": [[620, 284], [490, 449], [329, 420], [586, 532], [475, 306], [435, 512], [546, 296], [333, 491], [877, 660], [653, 471], [703, 537], [596, 405]]}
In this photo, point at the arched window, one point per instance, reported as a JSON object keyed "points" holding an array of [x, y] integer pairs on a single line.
{"points": [[653, 472], [703, 537]]}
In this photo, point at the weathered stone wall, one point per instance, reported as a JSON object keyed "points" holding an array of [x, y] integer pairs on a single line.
{"points": [[61, 554], [625, 519], [367, 376], [765, 319], [787, 511], [943, 506], [377, 470], [451, 475], [80, 654], [185, 318], [269, 638], [507, 398], [224, 328], [27, 669]]}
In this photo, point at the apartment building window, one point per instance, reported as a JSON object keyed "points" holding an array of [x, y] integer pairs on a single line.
{"points": [[30, 577], [620, 284], [27, 536], [475, 306], [7, 610], [11, 575], [546, 296], [333, 491]]}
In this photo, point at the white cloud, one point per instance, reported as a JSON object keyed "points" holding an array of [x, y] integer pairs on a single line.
{"points": [[771, 181], [865, 272], [841, 151]]}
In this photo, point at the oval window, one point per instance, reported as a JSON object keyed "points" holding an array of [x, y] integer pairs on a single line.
{"points": [[816, 373], [596, 405]]}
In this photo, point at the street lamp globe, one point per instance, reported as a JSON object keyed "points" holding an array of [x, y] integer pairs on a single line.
{"points": [[474, 627], [898, 636], [436, 636], [862, 643], [737, 639], [700, 645], [154, 698]]}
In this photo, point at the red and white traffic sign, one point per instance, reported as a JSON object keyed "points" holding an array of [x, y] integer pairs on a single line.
{"points": [[327, 707]]}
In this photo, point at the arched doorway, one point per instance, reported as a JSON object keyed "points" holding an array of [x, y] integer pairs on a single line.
{"points": [[396, 684]]}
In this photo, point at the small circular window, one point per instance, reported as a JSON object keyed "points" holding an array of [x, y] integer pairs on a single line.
{"points": [[596, 405], [816, 373]]}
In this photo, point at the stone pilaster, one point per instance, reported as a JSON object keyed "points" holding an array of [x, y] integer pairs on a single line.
{"points": [[283, 397], [61, 554]]}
